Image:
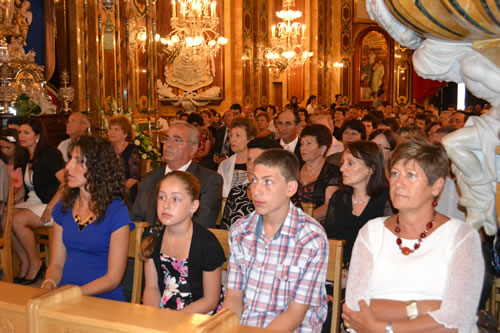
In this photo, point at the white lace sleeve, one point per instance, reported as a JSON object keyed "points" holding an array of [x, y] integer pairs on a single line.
{"points": [[464, 283], [360, 268]]}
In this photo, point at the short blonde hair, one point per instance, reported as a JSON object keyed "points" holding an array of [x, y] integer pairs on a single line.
{"points": [[431, 157]]}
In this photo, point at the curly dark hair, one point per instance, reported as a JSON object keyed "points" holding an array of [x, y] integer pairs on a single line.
{"points": [[105, 176]]}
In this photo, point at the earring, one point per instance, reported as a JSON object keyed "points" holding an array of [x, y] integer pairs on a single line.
{"points": [[434, 203], [36, 140]]}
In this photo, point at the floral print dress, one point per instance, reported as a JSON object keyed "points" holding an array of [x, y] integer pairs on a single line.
{"points": [[177, 293]]}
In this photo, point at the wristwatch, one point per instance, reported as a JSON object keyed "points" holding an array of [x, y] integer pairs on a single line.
{"points": [[388, 328], [411, 309]]}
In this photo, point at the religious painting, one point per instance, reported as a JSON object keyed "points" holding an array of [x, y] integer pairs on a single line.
{"points": [[374, 65]]}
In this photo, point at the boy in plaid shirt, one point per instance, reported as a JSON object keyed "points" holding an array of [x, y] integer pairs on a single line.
{"points": [[278, 255]]}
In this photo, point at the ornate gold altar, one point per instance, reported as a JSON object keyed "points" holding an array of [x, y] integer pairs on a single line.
{"points": [[19, 73]]}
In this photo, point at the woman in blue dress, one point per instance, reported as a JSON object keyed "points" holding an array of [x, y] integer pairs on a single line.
{"points": [[90, 237]]}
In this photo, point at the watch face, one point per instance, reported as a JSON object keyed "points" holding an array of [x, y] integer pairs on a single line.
{"points": [[412, 310]]}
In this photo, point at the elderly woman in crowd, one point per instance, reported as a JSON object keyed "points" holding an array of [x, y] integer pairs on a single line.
{"points": [[239, 201], [43, 176], [318, 179], [121, 134], [262, 120], [90, 238], [418, 270], [362, 196], [234, 169]]}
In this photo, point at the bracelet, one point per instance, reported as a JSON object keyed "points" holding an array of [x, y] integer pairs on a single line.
{"points": [[54, 284], [49, 208]]}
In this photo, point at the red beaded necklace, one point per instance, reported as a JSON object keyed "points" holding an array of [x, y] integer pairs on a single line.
{"points": [[405, 250]]}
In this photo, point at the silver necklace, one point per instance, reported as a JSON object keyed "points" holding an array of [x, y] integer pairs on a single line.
{"points": [[354, 202]]}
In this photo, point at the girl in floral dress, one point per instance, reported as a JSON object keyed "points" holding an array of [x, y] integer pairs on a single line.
{"points": [[182, 259]]}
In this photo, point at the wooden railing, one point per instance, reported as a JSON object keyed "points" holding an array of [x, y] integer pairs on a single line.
{"points": [[33, 310]]}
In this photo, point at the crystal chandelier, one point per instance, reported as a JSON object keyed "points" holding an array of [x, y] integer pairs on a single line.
{"points": [[287, 40], [194, 31]]}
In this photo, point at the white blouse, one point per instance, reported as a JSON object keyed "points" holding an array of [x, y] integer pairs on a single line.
{"points": [[448, 266]]}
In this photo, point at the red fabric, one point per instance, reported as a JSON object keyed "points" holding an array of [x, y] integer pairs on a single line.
{"points": [[423, 88]]}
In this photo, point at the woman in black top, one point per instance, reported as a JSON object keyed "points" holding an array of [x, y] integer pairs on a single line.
{"points": [[362, 196], [318, 180], [43, 175], [120, 135]]}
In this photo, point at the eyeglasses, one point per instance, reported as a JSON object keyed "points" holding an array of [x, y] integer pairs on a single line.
{"points": [[9, 138], [176, 140]]}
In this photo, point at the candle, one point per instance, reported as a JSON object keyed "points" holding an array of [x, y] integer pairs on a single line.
{"points": [[174, 14], [183, 9], [212, 9], [273, 30], [303, 30]]}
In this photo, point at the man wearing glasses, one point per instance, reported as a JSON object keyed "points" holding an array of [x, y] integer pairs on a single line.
{"points": [[179, 148]]}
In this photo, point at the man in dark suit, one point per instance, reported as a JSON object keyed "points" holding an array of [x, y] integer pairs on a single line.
{"points": [[288, 131], [179, 148]]}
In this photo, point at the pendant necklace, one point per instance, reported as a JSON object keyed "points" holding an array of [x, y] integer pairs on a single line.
{"points": [[78, 220]]}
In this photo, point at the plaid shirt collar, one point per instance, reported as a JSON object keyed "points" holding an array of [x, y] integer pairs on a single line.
{"points": [[289, 228]]}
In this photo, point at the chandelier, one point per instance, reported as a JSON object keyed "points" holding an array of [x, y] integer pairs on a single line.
{"points": [[287, 40], [194, 31]]}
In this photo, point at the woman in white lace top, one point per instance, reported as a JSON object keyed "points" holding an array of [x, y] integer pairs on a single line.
{"points": [[417, 271]]}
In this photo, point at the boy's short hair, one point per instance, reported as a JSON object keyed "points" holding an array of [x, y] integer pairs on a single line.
{"points": [[286, 161]]}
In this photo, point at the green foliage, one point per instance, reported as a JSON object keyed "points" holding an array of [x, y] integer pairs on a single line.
{"points": [[144, 144], [25, 107]]}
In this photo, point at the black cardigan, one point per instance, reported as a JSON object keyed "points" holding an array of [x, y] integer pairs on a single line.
{"points": [[340, 223], [329, 175], [205, 254], [45, 167]]}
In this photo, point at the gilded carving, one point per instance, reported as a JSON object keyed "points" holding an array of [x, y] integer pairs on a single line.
{"points": [[190, 75]]}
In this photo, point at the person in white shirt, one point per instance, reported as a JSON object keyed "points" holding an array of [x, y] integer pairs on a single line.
{"points": [[76, 126], [418, 270], [288, 132]]}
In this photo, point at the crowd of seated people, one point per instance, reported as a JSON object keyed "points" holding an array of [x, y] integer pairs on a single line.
{"points": [[375, 195]]}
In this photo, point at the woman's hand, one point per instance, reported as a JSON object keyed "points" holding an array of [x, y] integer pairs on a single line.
{"points": [[46, 215], [48, 284], [363, 321]]}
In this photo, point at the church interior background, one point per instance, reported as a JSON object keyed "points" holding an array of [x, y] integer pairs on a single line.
{"points": [[100, 56]]}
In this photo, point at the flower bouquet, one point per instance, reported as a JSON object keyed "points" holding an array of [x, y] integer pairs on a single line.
{"points": [[144, 144]]}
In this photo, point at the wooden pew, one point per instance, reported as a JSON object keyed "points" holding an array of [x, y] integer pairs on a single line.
{"points": [[13, 299], [66, 310], [222, 237], [334, 274], [134, 245]]}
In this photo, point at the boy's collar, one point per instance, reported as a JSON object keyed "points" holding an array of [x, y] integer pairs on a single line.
{"points": [[289, 227]]}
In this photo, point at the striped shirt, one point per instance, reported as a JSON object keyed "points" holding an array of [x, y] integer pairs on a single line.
{"points": [[271, 273]]}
